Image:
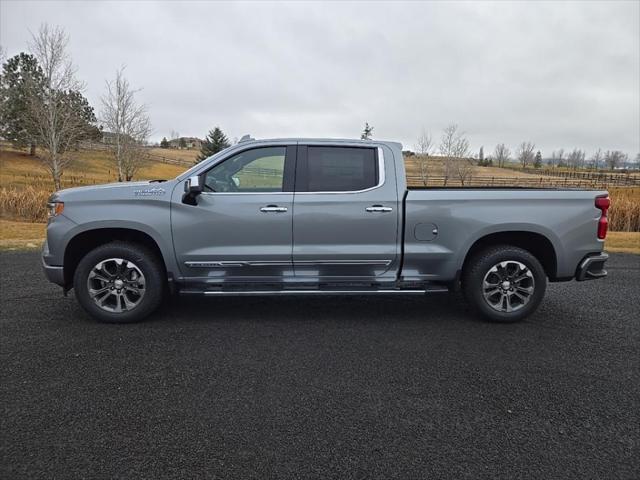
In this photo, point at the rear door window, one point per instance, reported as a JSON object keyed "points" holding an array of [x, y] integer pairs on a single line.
{"points": [[338, 169]]}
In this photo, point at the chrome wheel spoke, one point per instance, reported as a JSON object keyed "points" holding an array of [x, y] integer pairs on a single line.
{"points": [[488, 284], [491, 293], [133, 289], [100, 301], [507, 301], [527, 290], [98, 291], [128, 303], [523, 298]]}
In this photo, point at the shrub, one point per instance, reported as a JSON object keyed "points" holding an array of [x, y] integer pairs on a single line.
{"points": [[28, 204]]}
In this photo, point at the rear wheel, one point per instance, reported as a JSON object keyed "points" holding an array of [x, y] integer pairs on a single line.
{"points": [[119, 282], [504, 283]]}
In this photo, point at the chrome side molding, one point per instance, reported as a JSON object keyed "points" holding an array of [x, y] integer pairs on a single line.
{"points": [[304, 263]]}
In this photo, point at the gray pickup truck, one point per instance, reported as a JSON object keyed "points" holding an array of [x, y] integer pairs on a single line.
{"points": [[317, 217]]}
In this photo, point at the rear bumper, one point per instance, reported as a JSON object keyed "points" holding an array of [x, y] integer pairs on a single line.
{"points": [[592, 267]]}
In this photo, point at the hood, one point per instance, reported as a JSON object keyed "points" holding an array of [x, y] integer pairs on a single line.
{"points": [[119, 190]]}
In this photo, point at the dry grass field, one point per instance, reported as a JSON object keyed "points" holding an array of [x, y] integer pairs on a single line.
{"points": [[21, 235], [89, 167], [185, 155]]}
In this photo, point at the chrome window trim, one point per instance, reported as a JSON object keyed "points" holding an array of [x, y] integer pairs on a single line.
{"points": [[246, 193], [381, 176]]}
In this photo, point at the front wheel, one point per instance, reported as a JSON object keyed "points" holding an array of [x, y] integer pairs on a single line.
{"points": [[119, 282], [504, 283]]}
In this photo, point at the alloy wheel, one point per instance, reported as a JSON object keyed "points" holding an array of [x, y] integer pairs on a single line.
{"points": [[508, 286], [116, 285]]}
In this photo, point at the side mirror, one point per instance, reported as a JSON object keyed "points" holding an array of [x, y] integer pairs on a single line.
{"points": [[193, 187]]}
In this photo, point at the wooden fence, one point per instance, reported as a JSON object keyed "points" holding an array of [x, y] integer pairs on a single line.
{"points": [[619, 179]]}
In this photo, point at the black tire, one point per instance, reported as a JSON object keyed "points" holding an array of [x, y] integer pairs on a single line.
{"points": [[146, 262], [480, 265]]}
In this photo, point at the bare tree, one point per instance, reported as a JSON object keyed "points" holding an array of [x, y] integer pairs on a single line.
{"points": [[55, 109], [502, 154], [129, 124], [463, 169], [455, 149], [425, 143], [575, 159], [596, 158], [423, 148], [614, 159], [557, 158], [525, 153]]}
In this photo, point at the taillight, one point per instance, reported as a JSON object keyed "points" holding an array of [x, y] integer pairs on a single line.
{"points": [[603, 203]]}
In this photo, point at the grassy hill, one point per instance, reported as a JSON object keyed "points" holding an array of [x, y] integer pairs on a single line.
{"points": [[89, 167]]}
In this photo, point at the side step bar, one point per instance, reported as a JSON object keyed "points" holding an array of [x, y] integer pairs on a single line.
{"points": [[245, 293]]}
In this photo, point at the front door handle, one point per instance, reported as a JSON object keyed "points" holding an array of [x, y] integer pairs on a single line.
{"points": [[273, 209], [378, 208]]}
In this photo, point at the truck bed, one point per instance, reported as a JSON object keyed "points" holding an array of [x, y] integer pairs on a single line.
{"points": [[442, 224]]}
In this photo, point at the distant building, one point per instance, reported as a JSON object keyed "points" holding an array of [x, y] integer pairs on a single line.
{"points": [[186, 142]]}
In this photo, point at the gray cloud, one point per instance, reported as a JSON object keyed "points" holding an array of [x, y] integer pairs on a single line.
{"points": [[559, 74]]}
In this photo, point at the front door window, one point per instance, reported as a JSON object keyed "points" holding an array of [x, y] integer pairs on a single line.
{"points": [[256, 170]]}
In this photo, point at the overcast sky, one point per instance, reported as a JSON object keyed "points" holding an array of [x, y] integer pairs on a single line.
{"points": [[558, 74]]}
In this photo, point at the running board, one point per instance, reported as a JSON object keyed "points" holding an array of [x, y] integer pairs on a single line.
{"points": [[245, 293]]}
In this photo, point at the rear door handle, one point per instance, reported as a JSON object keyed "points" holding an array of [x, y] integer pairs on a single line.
{"points": [[273, 209], [378, 208]]}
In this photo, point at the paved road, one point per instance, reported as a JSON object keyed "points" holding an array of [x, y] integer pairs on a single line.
{"points": [[321, 387]]}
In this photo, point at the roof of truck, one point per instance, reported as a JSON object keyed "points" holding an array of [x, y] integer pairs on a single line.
{"points": [[247, 138]]}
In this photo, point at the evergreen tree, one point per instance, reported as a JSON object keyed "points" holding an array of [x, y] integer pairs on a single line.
{"points": [[215, 142], [481, 157], [538, 161], [182, 143], [164, 143], [367, 132], [21, 76]]}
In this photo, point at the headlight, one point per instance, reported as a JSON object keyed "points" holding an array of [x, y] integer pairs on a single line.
{"points": [[55, 208]]}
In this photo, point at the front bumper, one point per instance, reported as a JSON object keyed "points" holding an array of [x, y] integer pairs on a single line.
{"points": [[54, 273], [592, 267]]}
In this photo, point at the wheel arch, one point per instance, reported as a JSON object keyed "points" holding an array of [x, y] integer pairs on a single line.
{"points": [[539, 245], [83, 242]]}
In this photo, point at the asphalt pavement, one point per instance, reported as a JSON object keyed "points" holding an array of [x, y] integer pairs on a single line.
{"points": [[334, 387]]}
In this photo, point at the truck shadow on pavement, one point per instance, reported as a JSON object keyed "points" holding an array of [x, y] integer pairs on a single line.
{"points": [[383, 309]]}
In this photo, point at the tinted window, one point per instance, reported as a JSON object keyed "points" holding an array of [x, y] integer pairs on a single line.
{"points": [[341, 169], [256, 170]]}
